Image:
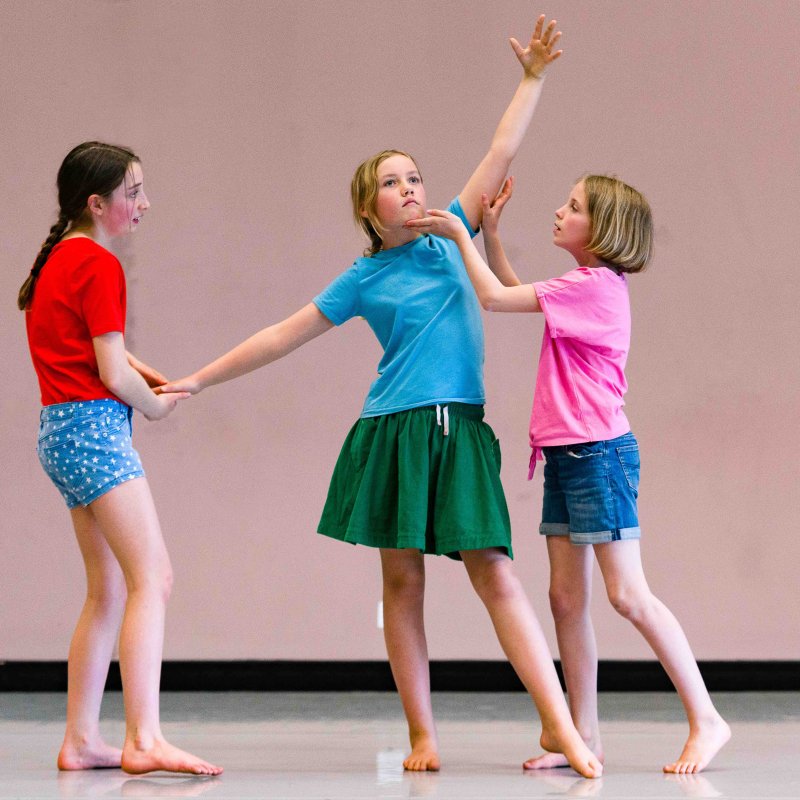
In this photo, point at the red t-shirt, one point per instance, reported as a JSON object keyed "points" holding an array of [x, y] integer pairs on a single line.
{"points": [[80, 293]]}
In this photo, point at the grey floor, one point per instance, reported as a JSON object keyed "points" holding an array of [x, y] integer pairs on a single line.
{"points": [[352, 746]]}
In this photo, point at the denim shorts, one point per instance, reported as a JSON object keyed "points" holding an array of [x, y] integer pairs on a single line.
{"points": [[590, 491], [85, 448]]}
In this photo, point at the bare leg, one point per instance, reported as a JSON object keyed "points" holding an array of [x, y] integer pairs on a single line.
{"points": [[621, 565], [91, 650], [523, 642], [404, 631], [127, 518], [570, 593]]}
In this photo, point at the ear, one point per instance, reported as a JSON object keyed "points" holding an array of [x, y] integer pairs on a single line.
{"points": [[95, 204], [363, 212]]}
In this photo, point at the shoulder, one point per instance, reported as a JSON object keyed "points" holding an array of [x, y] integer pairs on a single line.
{"points": [[590, 279], [86, 255]]}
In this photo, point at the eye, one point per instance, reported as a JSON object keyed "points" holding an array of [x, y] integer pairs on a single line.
{"points": [[389, 182], [415, 179]]}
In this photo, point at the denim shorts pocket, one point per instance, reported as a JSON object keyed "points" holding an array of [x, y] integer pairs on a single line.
{"points": [[62, 436], [585, 450], [60, 461], [630, 463]]}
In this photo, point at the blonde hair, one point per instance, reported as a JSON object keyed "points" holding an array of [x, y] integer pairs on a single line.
{"points": [[364, 192], [621, 223]]}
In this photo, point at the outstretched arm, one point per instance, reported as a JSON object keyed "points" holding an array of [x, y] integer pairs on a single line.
{"points": [[266, 346], [490, 173], [492, 294]]}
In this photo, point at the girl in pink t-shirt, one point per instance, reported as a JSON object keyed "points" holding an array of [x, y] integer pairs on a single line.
{"points": [[591, 474]]}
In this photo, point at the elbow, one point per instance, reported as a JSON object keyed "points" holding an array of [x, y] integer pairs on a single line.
{"points": [[112, 378], [490, 302]]}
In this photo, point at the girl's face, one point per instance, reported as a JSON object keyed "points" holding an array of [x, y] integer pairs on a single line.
{"points": [[573, 228], [123, 211], [401, 195]]}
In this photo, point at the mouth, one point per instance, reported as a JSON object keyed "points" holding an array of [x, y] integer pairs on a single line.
{"points": [[409, 202], [136, 220]]}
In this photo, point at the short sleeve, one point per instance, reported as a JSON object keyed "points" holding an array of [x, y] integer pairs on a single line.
{"points": [[339, 301], [576, 306], [455, 208], [99, 284]]}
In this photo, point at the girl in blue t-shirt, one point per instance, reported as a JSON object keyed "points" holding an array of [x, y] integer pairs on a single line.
{"points": [[419, 471]]}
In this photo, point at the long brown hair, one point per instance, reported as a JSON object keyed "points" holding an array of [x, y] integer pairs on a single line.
{"points": [[90, 168]]}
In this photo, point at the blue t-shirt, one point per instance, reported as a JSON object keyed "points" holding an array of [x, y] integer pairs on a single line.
{"points": [[419, 302]]}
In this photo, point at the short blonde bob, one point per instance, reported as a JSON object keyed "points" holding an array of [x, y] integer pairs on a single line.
{"points": [[622, 223], [364, 192]]}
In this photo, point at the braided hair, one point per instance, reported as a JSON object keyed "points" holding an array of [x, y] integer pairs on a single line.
{"points": [[90, 168]]}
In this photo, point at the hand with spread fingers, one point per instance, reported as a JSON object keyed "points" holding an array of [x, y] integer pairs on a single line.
{"points": [[538, 55]]}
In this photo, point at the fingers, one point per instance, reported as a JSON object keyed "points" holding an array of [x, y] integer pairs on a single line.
{"points": [[537, 31], [516, 47]]}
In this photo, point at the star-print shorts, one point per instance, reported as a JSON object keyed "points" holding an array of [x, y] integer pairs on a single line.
{"points": [[86, 450]]}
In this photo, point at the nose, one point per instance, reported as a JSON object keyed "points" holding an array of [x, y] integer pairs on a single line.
{"points": [[560, 212], [407, 189], [144, 202]]}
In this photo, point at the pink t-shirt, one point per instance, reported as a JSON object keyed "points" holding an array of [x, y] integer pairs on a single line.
{"points": [[581, 378]]}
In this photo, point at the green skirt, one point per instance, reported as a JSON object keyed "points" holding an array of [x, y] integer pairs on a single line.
{"points": [[427, 478]]}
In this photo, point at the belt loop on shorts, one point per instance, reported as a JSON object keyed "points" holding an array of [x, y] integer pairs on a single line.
{"points": [[441, 411], [536, 455]]}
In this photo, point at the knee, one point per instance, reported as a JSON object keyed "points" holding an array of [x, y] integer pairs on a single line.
{"points": [[157, 583], [108, 597], [629, 603], [566, 602], [496, 582], [404, 584]]}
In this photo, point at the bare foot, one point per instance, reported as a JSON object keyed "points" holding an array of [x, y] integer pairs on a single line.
{"points": [[161, 755], [424, 756], [569, 746], [88, 755], [559, 760], [704, 742]]}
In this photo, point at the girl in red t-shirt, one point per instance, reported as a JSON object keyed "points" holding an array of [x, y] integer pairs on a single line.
{"points": [[74, 299]]}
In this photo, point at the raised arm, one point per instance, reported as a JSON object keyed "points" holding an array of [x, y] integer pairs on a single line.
{"points": [[492, 294], [514, 123], [266, 346], [119, 377]]}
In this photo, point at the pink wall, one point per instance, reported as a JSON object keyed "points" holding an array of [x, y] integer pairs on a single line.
{"points": [[250, 117]]}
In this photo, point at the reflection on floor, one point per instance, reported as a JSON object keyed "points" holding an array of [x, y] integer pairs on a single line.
{"points": [[307, 745]]}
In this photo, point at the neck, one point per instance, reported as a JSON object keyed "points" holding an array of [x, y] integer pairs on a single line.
{"points": [[398, 237], [585, 259], [92, 232]]}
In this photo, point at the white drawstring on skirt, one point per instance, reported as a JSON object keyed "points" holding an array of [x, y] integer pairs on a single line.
{"points": [[441, 412]]}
